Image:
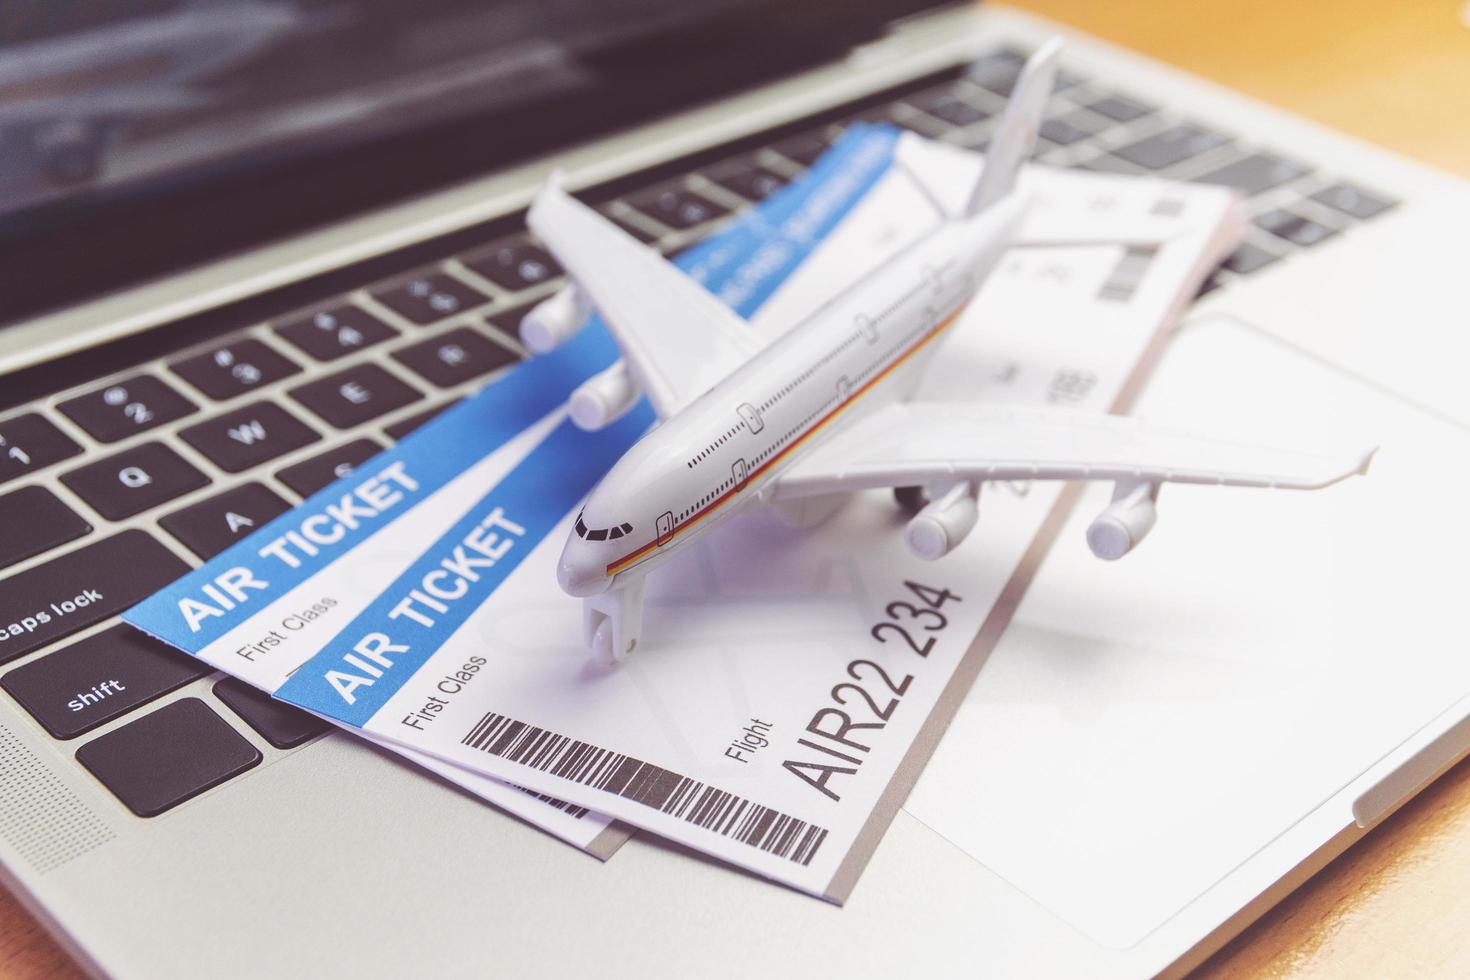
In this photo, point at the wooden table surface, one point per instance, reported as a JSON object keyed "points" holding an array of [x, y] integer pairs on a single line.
{"points": [[1397, 74]]}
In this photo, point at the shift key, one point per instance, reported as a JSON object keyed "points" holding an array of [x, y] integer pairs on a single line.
{"points": [[69, 593], [79, 687]]}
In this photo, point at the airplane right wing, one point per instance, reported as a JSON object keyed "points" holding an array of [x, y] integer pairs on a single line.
{"points": [[928, 443], [677, 339], [950, 449]]}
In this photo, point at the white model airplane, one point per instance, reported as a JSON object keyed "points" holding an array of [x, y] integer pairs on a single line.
{"points": [[823, 410]]}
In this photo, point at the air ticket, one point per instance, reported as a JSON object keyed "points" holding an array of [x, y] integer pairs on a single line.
{"points": [[790, 685]]}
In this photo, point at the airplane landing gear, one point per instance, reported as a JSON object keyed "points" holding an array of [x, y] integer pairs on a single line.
{"points": [[613, 622]]}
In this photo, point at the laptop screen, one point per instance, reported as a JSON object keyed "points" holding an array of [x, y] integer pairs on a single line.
{"points": [[257, 117]]}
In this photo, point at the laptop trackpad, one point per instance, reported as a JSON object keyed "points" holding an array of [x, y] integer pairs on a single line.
{"points": [[1145, 727]]}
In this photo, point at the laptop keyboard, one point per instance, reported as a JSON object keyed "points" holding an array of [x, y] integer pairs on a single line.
{"points": [[105, 489]]}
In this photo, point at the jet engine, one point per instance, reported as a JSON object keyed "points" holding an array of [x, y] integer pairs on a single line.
{"points": [[944, 522], [555, 320], [1124, 522], [604, 398]]}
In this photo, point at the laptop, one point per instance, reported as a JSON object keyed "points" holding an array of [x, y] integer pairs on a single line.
{"points": [[226, 213]]}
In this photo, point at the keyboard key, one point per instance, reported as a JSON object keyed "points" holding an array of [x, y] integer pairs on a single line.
{"points": [[956, 112], [1294, 228], [978, 142], [284, 726], [30, 442], [1001, 77], [747, 178], [894, 115], [134, 480], [398, 430], [1063, 132], [803, 148], [930, 97], [1255, 173], [355, 395], [889, 114], [430, 298], [1173, 145], [515, 266], [309, 476], [454, 357], [248, 436], [998, 71], [49, 601], [164, 758], [329, 334], [1067, 79], [33, 520], [621, 220], [134, 405], [677, 207], [234, 368], [1352, 200], [508, 322], [212, 525], [75, 689], [1120, 108], [1248, 258], [1108, 164], [921, 125]]}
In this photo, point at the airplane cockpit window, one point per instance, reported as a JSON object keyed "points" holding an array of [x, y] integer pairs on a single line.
{"points": [[602, 533]]}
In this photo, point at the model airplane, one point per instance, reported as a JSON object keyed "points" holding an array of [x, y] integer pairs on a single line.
{"points": [[823, 411]]}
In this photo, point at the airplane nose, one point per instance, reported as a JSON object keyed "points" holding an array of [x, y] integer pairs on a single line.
{"points": [[581, 578]]}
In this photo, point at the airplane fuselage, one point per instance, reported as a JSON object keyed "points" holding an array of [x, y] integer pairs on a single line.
{"points": [[862, 350]]}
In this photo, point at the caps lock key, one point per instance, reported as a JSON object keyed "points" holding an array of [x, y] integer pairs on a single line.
{"points": [[82, 587]]}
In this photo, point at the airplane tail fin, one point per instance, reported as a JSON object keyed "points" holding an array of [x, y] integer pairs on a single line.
{"points": [[1015, 135]]}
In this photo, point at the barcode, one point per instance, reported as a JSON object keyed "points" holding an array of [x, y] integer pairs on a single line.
{"points": [[1127, 274], [653, 786], [570, 809]]}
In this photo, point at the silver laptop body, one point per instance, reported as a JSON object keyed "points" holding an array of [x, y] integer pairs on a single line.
{"points": [[328, 857]]}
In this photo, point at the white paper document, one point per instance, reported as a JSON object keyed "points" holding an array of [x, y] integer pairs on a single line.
{"points": [[790, 684], [1144, 730]]}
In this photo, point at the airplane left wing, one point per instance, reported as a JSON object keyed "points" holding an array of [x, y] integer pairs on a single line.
{"points": [[677, 339], [928, 444]]}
